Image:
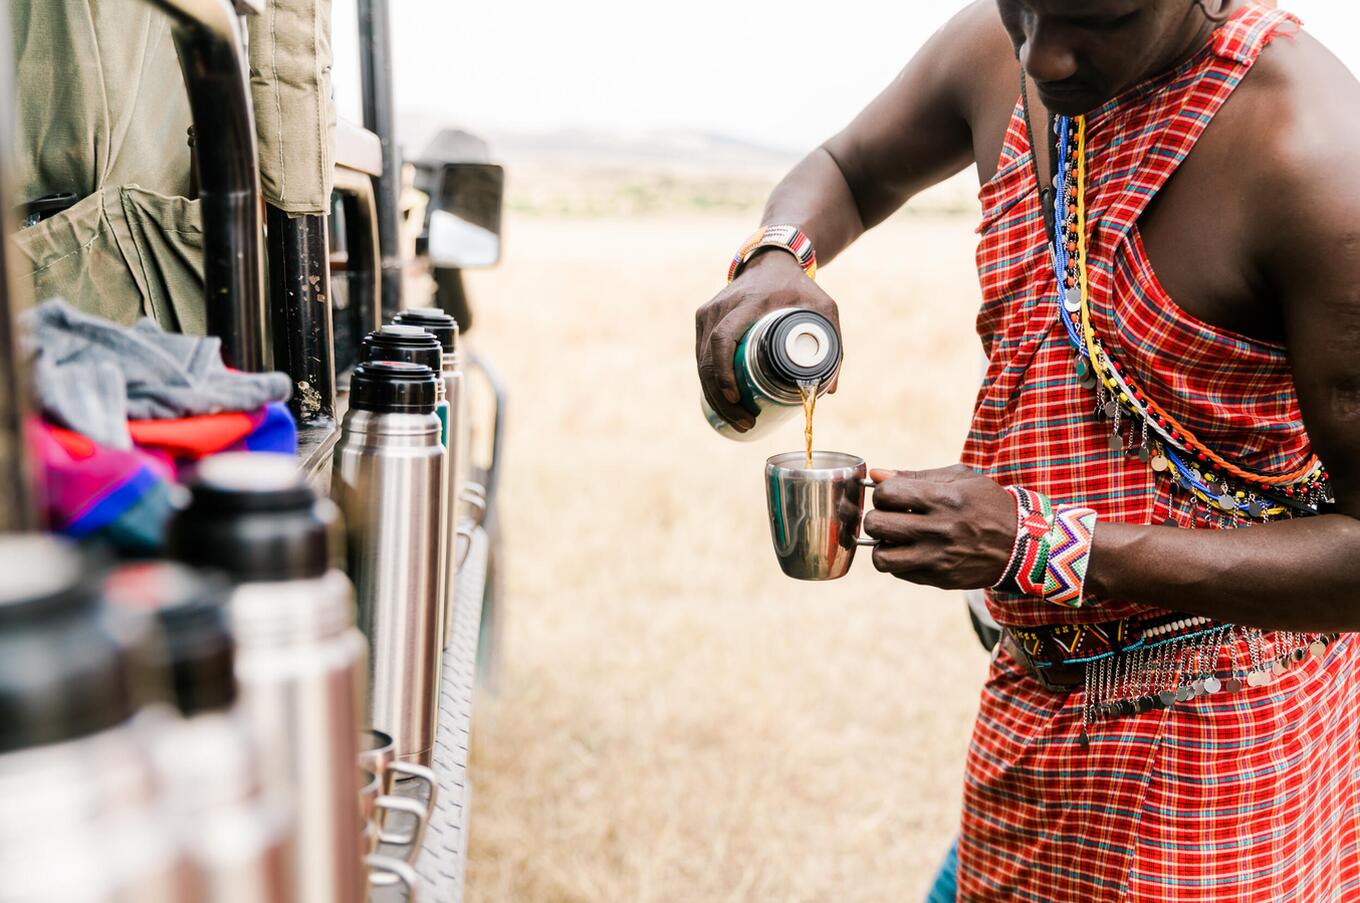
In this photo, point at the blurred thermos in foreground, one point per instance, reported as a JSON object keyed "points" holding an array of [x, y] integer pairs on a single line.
{"points": [[784, 354], [190, 732]]}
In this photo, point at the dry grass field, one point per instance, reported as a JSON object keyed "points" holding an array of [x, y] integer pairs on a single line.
{"points": [[678, 721]]}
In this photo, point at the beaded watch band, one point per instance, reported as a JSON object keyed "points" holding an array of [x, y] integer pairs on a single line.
{"points": [[1052, 549], [789, 238]]}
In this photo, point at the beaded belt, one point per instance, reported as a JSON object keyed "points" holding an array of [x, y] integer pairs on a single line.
{"points": [[1149, 662]]}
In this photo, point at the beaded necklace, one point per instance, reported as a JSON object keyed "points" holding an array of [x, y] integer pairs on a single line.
{"points": [[1235, 493]]}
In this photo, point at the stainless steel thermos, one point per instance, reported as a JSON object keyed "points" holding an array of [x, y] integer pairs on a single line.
{"points": [[782, 351], [387, 476], [235, 841], [79, 817], [413, 344], [299, 659], [445, 328]]}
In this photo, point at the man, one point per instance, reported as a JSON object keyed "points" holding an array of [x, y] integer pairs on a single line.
{"points": [[1171, 715]]}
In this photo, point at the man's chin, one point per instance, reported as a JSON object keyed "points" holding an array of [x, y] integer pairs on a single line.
{"points": [[1073, 104]]}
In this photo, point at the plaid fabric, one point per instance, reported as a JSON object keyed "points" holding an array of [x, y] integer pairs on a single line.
{"points": [[1253, 796], [1033, 425]]}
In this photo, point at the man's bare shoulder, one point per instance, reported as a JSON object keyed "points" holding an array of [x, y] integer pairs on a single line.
{"points": [[1302, 108], [978, 59]]}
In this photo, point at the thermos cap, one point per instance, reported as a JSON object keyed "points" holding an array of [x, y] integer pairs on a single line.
{"points": [[803, 346], [396, 342], [252, 516], [393, 387], [437, 322], [195, 653], [66, 667]]}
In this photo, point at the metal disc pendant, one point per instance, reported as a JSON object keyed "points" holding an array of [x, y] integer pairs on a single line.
{"points": [[1072, 299], [1167, 698], [1318, 648], [1111, 408], [1184, 694], [1160, 463], [1258, 678], [1298, 655], [1232, 685], [1227, 502], [1212, 685], [1088, 384], [1116, 442], [1083, 368], [1277, 669], [1255, 508], [1197, 687], [1144, 453]]}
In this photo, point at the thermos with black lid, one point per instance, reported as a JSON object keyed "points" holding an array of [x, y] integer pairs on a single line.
{"points": [[387, 476], [445, 328], [79, 816], [299, 658], [782, 353], [235, 841]]}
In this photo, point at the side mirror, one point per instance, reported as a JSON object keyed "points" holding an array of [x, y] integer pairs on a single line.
{"points": [[465, 216]]}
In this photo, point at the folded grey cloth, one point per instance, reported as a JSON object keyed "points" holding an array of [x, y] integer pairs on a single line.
{"points": [[93, 375]]}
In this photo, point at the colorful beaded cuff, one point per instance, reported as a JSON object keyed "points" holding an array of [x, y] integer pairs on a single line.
{"points": [[1052, 549], [789, 238]]}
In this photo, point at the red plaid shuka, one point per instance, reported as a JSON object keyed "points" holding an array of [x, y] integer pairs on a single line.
{"points": [[1253, 796]]}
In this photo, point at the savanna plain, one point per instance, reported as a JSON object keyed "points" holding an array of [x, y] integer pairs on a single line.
{"points": [[676, 720]]}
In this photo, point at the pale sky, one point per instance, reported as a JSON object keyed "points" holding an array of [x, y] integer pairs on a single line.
{"points": [[784, 75]]}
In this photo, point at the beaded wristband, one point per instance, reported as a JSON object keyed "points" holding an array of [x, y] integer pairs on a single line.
{"points": [[1029, 556], [789, 238], [1069, 553], [1052, 549]]}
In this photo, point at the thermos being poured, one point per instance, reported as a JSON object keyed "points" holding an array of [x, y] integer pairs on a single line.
{"points": [[783, 362]]}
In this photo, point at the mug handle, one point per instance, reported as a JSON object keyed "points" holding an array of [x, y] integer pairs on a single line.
{"points": [[384, 871], [416, 836], [427, 777], [867, 540]]}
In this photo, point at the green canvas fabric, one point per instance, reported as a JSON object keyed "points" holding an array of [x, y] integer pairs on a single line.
{"points": [[290, 85], [100, 98], [123, 253], [102, 113]]}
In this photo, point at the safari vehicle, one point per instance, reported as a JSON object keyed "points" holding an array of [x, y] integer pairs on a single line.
{"points": [[310, 238]]}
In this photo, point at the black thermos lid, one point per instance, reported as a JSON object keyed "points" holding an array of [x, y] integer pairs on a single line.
{"points": [[399, 342], [253, 517], [194, 654], [68, 667], [789, 361], [392, 387], [437, 322]]}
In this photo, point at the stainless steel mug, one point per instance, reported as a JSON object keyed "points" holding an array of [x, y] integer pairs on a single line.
{"points": [[816, 512], [378, 754], [385, 871], [79, 816], [236, 841], [387, 475], [445, 328], [300, 662]]}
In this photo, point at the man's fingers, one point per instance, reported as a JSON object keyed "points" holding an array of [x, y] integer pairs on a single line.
{"points": [[895, 528], [902, 493], [734, 414], [894, 559]]}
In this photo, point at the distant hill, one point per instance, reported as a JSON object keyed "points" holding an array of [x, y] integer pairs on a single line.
{"points": [[588, 172]]}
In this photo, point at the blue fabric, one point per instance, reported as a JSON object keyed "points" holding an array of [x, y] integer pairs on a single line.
{"points": [[946, 886]]}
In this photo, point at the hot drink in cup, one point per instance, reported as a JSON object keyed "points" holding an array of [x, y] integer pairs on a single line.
{"points": [[816, 508]]}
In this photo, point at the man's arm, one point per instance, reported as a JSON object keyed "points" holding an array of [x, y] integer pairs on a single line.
{"points": [[914, 134]]}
